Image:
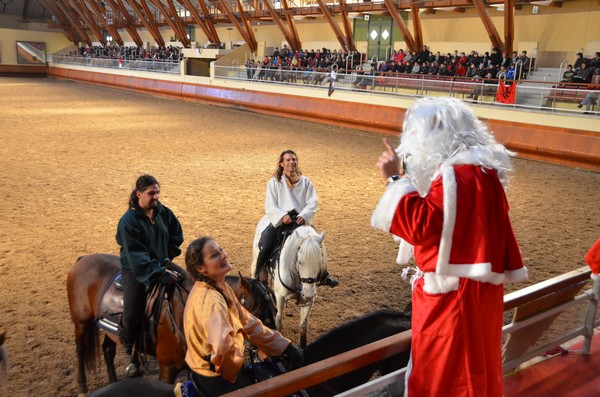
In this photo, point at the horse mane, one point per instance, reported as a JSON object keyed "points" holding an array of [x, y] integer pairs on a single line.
{"points": [[358, 332], [303, 244]]}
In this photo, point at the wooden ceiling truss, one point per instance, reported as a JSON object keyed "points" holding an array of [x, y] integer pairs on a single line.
{"points": [[110, 28], [205, 22], [173, 20], [248, 36], [86, 16], [75, 22], [289, 36], [488, 24], [65, 26], [292, 24], [342, 39], [145, 16], [125, 20], [408, 39], [347, 27]]}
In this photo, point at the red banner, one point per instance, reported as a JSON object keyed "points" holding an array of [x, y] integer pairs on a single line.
{"points": [[506, 93]]}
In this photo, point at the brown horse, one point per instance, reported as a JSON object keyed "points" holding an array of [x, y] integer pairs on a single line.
{"points": [[3, 361], [87, 282]]}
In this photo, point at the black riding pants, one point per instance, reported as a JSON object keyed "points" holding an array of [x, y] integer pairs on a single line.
{"points": [[266, 245], [210, 386], [134, 306]]}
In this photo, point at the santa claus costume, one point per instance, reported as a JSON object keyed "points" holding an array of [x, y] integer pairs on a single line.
{"points": [[451, 213]]}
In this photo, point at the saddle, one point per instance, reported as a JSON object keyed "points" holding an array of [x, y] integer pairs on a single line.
{"points": [[283, 233], [110, 309]]}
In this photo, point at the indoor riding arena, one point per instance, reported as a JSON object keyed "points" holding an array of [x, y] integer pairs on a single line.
{"points": [[71, 152]]}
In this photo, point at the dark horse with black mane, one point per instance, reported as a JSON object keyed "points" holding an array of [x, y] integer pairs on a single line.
{"points": [[359, 332], [96, 301]]}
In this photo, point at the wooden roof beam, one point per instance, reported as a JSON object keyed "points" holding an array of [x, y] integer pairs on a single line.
{"points": [[71, 35], [110, 28], [347, 27], [224, 8], [336, 29], [408, 39], [208, 19], [200, 21], [292, 24], [288, 37], [509, 25], [75, 22], [145, 16], [418, 31], [488, 24], [173, 20], [119, 9], [88, 18], [248, 25]]}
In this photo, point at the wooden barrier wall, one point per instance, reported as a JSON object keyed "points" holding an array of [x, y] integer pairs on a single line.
{"points": [[24, 70], [570, 147]]}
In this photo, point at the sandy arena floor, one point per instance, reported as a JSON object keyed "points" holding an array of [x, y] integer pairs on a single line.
{"points": [[70, 154]]}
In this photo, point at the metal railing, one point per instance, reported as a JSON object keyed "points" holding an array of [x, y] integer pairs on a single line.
{"points": [[531, 95], [148, 65]]}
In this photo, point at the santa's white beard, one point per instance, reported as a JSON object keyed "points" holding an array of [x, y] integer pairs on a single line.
{"points": [[422, 170]]}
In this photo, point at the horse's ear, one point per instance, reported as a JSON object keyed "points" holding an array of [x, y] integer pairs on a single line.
{"points": [[243, 282], [322, 236]]}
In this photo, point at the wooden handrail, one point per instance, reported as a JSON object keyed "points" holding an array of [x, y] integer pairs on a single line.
{"points": [[527, 294], [332, 367]]}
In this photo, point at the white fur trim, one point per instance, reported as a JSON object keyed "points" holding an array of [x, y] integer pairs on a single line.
{"points": [[405, 252], [483, 272], [595, 276], [386, 208], [449, 183], [436, 284]]}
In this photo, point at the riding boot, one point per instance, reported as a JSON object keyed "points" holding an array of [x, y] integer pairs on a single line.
{"points": [[133, 368]]}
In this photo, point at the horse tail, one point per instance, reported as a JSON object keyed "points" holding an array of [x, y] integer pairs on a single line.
{"points": [[90, 345]]}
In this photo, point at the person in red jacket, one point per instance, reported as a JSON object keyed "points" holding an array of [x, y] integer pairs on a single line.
{"points": [[592, 258], [447, 204]]}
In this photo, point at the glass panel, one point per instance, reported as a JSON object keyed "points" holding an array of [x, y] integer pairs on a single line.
{"points": [[30, 52]]}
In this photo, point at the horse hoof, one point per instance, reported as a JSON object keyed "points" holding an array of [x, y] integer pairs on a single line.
{"points": [[133, 370]]}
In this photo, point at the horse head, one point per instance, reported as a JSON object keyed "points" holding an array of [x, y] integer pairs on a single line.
{"points": [[257, 298], [3, 360], [311, 260]]}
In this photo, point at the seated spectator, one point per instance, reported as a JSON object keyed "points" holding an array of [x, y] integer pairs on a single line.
{"points": [[579, 60], [496, 57], [433, 68], [595, 62], [472, 71], [568, 74], [592, 96], [461, 70], [416, 69], [583, 75], [487, 88]]}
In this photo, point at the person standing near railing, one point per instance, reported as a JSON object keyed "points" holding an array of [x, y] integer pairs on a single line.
{"points": [[446, 200]]}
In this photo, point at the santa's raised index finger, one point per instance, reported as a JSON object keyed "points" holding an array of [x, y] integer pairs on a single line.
{"points": [[389, 147]]}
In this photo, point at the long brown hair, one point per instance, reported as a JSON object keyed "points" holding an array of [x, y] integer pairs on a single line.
{"points": [[279, 169], [142, 183], [194, 257]]}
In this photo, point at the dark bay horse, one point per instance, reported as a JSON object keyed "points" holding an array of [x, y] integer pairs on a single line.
{"points": [[355, 333], [92, 275], [3, 361]]}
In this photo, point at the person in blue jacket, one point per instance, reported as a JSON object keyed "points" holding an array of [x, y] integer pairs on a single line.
{"points": [[150, 236]]}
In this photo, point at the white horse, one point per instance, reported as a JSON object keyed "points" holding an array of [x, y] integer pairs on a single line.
{"points": [[302, 262], [3, 361]]}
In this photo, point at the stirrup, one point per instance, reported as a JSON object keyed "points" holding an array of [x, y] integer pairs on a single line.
{"points": [[133, 369]]}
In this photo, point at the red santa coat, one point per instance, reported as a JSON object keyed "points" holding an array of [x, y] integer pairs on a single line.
{"points": [[465, 248], [592, 258]]}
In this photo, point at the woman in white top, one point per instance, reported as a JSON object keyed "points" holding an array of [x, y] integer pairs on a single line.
{"points": [[291, 199]]}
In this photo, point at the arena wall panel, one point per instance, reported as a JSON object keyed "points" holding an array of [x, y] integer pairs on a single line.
{"points": [[559, 145]]}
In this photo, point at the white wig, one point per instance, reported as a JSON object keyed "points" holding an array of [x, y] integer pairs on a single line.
{"points": [[445, 131]]}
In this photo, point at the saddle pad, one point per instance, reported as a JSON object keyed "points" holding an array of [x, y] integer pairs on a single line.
{"points": [[110, 307]]}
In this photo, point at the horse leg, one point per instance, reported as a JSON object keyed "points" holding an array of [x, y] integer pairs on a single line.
{"points": [[86, 337], [279, 316], [304, 313], [109, 349], [167, 373]]}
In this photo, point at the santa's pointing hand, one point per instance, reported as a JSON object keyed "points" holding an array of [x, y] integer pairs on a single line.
{"points": [[388, 163]]}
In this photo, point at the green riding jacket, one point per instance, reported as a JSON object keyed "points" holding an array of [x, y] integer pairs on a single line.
{"points": [[145, 245]]}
